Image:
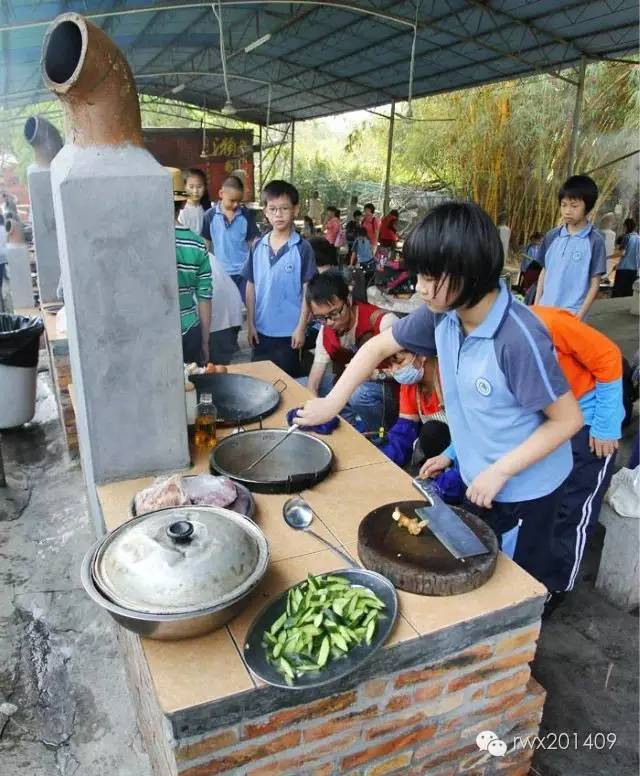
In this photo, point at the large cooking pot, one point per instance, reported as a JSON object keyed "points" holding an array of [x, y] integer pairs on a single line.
{"points": [[298, 463], [178, 572], [239, 398]]}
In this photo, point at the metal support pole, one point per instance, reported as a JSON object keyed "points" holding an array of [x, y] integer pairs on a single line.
{"points": [[293, 146], [260, 183], [387, 176], [3, 479], [577, 111]]}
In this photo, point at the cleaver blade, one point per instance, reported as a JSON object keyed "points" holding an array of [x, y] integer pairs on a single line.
{"points": [[446, 526]]}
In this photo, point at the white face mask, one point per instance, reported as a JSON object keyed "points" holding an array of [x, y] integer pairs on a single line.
{"points": [[409, 374]]}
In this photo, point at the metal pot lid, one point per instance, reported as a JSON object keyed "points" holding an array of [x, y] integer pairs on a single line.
{"points": [[181, 559]]}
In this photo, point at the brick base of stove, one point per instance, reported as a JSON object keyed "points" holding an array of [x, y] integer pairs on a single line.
{"points": [[422, 719]]}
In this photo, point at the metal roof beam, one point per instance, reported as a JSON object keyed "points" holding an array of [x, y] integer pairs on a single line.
{"points": [[175, 39]]}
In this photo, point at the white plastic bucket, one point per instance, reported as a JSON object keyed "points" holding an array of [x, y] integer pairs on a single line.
{"points": [[17, 395]]}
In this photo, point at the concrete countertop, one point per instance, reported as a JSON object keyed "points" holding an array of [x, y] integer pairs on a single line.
{"points": [[199, 671]]}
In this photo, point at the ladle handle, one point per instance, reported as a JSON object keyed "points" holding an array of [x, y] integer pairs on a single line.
{"points": [[349, 561]]}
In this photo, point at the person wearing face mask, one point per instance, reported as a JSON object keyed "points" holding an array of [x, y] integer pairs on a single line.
{"points": [[422, 423]]}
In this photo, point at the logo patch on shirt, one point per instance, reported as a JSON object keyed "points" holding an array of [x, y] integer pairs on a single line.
{"points": [[288, 267], [483, 386], [576, 255]]}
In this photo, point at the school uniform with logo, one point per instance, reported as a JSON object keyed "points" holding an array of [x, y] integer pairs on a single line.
{"points": [[592, 364], [496, 382], [279, 279], [231, 240], [570, 261]]}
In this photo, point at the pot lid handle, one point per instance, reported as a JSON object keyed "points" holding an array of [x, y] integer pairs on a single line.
{"points": [[181, 531]]}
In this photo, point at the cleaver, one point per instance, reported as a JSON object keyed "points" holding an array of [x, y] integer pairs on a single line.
{"points": [[445, 524]]}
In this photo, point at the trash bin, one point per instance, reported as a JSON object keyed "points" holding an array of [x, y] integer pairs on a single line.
{"points": [[19, 345]]}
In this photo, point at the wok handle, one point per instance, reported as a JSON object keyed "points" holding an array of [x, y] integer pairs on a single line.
{"points": [[277, 381], [348, 560]]}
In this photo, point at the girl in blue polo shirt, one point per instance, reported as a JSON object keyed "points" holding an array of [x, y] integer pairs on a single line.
{"points": [[509, 408]]}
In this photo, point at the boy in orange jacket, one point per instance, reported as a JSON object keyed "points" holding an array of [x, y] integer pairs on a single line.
{"points": [[592, 364]]}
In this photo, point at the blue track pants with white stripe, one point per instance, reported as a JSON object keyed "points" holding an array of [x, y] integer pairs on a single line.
{"points": [[578, 512]]}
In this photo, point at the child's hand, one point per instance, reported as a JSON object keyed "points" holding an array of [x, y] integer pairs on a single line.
{"points": [[486, 486], [315, 412], [297, 338], [432, 467], [602, 447], [252, 335]]}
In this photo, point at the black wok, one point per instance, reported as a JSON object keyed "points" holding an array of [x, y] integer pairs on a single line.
{"points": [[299, 462], [239, 398]]}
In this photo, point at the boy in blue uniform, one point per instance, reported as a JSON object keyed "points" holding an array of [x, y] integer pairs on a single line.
{"points": [[277, 272], [509, 408], [573, 256], [229, 229]]}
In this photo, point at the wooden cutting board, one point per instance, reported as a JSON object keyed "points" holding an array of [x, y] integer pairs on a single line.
{"points": [[421, 564]]}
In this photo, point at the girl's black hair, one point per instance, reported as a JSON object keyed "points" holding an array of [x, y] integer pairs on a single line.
{"points": [[326, 287], [370, 206], [629, 225], [276, 189], [334, 210], [361, 231], [457, 240], [196, 172], [580, 187]]}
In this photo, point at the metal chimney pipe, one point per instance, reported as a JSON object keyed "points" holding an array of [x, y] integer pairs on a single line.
{"points": [[93, 80], [44, 138]]}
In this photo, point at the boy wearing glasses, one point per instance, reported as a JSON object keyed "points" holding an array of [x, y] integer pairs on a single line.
{"points": [[345, 326], [277, 272]]}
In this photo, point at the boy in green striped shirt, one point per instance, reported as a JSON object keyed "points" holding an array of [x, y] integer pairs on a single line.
{"points": [[194, 283]]}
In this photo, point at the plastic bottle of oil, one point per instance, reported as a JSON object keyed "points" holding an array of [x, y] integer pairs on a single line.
{"points": [[205, 426]]}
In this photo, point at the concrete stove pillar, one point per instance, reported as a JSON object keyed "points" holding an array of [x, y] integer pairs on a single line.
{"points": [[44, 232], [113, 206]]}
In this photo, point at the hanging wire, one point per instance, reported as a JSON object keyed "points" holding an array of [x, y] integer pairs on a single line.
{"points": [[218, 14], [412, 62]]}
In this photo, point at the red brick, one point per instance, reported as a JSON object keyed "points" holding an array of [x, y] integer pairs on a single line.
{"points": [[469, 732], [501, 703], [439, 745], [517, 640], [392, 726], [510, 683], [393, 745], [338, 724], [207, 745], [399, 702], [244, 755], [480, 674], [287, 717], [445, 758], [460, 660], [323, 770], [428, 693], [393, 765], [374, 689], [531, 707], [300, 762]]}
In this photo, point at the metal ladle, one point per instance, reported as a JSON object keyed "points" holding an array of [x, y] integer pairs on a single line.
{"points": [[299, 515]]}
